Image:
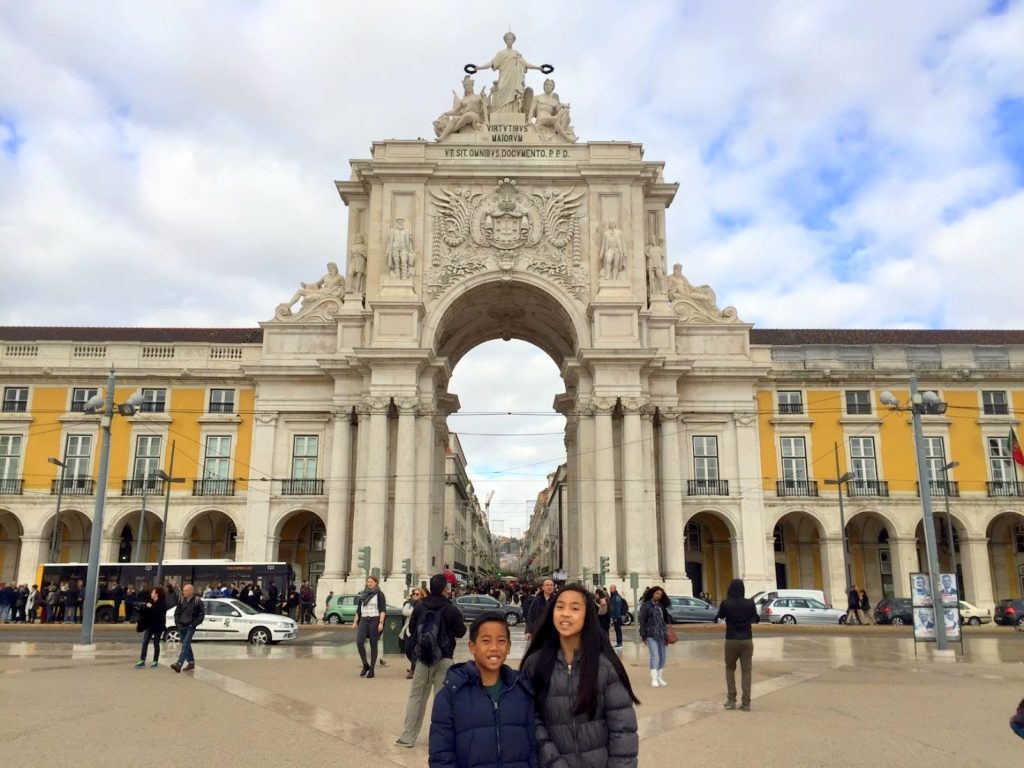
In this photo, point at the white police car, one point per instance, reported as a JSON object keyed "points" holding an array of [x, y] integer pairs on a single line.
{"points": [[230, 619]]}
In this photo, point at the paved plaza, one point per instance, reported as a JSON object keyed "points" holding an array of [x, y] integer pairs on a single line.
{"points": [[820, 698]]}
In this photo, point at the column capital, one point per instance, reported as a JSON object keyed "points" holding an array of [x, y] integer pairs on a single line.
{"points": [[376, 404], [602, 404], [636, 405]]}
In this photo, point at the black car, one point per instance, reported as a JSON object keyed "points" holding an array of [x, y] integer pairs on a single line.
{"points": [[894, 610], [1009, 613], [475, 605]]}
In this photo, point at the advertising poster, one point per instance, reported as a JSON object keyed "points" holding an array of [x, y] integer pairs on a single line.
{"points": [[921, 590], [949, 590], [924, 624], [951, 619]]}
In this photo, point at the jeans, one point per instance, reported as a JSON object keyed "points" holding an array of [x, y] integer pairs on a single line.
{"points": [[742, 651], [186, 645], [617, 624], [154, 636], [426, 679], [307, 613], [368, 631], [70, 614], [657, 651], [5, 613]]}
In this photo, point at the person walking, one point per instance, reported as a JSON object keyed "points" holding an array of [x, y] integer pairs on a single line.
{"points": [[152, 623], [539, 605], [327, 604], [864, 609], [652, 622], [739, 613], [405, 641], [371, 610], [852, 605], [306, 598], [434, 625], [617, 609], [585, 704], [188, 614], [51, 610]]}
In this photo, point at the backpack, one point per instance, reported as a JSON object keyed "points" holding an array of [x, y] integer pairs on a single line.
{"points": [[428, 637]]}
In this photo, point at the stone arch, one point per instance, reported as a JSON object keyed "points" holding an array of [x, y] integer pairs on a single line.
{"points": [[1005, 533], [872, 556], [11, 531], [128, 522], [300, 537], [211, 533], [710, 550], [797, 538]]}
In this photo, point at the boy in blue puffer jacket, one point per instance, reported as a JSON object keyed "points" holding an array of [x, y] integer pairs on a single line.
{"points": [[483, 715]]}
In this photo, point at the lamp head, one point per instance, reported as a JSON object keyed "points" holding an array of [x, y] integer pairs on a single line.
{"points": [[93, 404], [929, 398], [888, 398]]}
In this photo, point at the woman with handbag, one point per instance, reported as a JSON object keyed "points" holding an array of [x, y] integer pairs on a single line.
{"points": [[152, 623], [654, 625]]}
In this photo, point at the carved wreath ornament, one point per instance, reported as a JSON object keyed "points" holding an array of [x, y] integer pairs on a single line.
{"points": [[506, 228]]}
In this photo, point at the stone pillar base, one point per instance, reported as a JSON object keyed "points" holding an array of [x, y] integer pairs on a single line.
{"points": [[678, 586]]}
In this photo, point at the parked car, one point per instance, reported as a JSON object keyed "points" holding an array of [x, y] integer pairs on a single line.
{"points": [[814, 594], [1010, 613], [973, 615], [230, 619], [894, 610], [342, 609], [800, 610], [690, 610], [474, 605]]}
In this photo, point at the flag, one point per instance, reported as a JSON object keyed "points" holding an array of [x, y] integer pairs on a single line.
{"points": [[1015, 449]]}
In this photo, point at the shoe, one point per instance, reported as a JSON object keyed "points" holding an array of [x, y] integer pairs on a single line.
{"points": [[730, 704], [140, 664], [400, 743], [155, 664], [618, 646], [661, 680], [408, 675], [176, 667], [366, 669], [189, 667], [744, 707], [369, 674], [654, 679]]}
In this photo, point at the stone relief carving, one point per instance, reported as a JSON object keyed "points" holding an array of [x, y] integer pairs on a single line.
{"points": [[400, 253], [265, 417], [503, 229], [550, 116], [745, 419], [468, 112], [357, 266], [656, 267], [320, 300], [696, 303], [613, 253]]}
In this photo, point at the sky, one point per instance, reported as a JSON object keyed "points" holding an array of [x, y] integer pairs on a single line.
{"points": [[841, 164]]}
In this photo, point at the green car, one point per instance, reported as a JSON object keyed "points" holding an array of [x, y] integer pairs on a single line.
{"points": [[342, 609]]}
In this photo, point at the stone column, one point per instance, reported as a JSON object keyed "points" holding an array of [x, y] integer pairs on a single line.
{"points": [[755, 571], [832, 571], [672, 500], [974, 555], [605, 530], [423, 514], [569, 512], [405, 486], [585, 500], [903, 552], [338, 492], [257, 503], [34, 550], [374, 512], [638, 511], [362, 442]]}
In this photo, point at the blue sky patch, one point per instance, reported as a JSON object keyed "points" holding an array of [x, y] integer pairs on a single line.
{"points": [[1009, 132], [10, 138]]}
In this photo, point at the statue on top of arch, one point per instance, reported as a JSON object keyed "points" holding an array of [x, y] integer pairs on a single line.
{"points": [[696, 303]]}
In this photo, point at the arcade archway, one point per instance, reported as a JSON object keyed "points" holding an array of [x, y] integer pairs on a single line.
{"points": [[1006, 555], [871, 540], [10, 545], [709, 553], [211, 535], [301, 538], [796, 545]]}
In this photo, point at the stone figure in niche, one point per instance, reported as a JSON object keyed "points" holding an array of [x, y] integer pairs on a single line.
{"points": [[613, 253], [401, 259], [551, 117], [656, 266], [330, 286], [509, 93], [357, 266], [470, 111]]}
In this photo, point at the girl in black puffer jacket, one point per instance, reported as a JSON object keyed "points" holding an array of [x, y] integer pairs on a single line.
{"points": [[585, 704]]}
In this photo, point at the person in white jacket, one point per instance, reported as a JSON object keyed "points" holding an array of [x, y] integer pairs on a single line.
{"points": [[403, 636]]}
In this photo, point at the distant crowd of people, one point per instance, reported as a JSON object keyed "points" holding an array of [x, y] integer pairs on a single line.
{"points": [[54, 603]]}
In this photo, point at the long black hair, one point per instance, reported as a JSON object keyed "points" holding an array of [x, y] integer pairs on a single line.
{"points": [[594, 644]]}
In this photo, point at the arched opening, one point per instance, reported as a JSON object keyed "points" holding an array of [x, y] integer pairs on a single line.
{"points": [[301, 540], [871, 557], [796, 545], [211, 535], [125, 535], [10, 545], [1006, 555], [709, 553], [72, 538], [946, 552]]}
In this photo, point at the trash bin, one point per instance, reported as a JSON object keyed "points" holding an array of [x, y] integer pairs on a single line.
{"points": [[392, 626]]}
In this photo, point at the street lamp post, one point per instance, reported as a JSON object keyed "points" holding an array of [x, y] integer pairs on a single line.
{"points": [[949, 519], [838, 483], [55, 537], [168, 480]]}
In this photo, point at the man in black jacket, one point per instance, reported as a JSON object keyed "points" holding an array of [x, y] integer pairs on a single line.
{"points": [[539, 606], [739, 612], [188, 614], [435, 610]]}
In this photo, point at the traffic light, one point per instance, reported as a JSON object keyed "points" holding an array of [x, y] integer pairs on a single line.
{"points": [[604, 568], [407, 570], [364, 559], [586, 575]]}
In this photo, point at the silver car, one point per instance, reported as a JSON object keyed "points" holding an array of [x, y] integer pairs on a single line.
{"points": [[800, 610]]}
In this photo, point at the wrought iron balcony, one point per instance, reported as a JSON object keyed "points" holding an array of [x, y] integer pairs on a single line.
{"points": [[10, 486], [796, 487], [1005, 488], [791, 409], [302, 487], [707, 487], [153, 487], [213, 487], [73, 486], [15, 406], [867, 488], [940, 488]]}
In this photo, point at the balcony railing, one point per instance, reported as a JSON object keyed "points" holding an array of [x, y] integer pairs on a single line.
{"points": [[791, 409], [15, 406], [152, 487], [73, 486], [940, 488], [707, 487], [867, 488], [10, 486], [213, 487], [796, 487], [1005, 488], [302, 487]]}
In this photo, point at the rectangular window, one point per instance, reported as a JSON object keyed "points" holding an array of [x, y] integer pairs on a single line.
{"points": [[995, 403], [858, 402], [222, 401], [10, 456], [304, 455], [705, 458], [794, 458], [217, 464], [791, 402], [147, 458], [780, 539], [693, 543], [862, 459], [77, 455], [1000, 461], [935, 459], [154, 400], [15, 399], [1018, 538], [80, 396]]}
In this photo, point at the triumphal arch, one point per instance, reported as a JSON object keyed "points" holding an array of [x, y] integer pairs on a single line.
{"points": [[506, 225]]}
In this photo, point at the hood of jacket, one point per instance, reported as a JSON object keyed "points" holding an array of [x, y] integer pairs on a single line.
{"points": [[736, 589], [433, 602]]}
